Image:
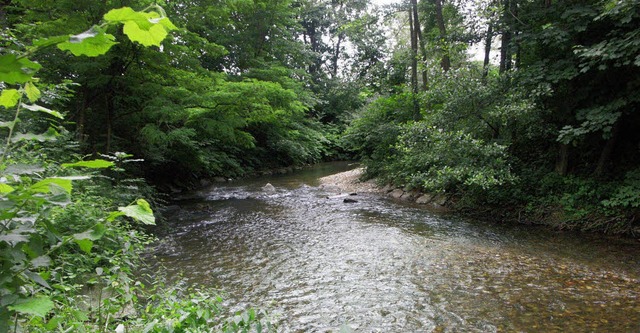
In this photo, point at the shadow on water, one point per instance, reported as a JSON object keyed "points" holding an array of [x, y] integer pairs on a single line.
{"points": [[377, 265]]}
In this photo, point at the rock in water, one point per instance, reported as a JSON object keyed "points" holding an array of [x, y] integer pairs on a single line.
{"points": [[269, 188], [347, 200]]}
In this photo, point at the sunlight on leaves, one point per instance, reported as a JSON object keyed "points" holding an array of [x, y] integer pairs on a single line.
{"points": [[4, 188], [33, 93], [140, 211], [91, 43], [148, 29], [9, 98], [93, 164], [38, 108], [151, 37], [44, 186]]}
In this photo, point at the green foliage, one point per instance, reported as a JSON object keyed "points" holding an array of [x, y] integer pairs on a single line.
{"points": [[146, 28], [435, 160], [222, 97], [70, 233], [140, 211], [374, 133], [176, 309], [37, 236], [91, 43], [15, 69], [456, 147], [625, 195], [92, 164]]}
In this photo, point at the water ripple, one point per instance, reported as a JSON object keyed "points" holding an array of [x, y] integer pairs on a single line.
{"points": [[318, 264]]}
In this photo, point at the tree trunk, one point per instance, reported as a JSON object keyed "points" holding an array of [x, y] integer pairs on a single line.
{"points": [[607, 151], [336, 56], [414, 60], [420, 42], [445, 62], [514, 12], [82, 119], [562, 162], [3, 15], [310, 31], [508, 28], [487, 54], [505, 55], [414, 51], [505, 48]]}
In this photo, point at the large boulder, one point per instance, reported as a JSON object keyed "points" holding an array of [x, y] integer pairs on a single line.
{"points": [[440, 200], [387, 188], [424, 199], [269, 188], [409, 195], [397, 193]]}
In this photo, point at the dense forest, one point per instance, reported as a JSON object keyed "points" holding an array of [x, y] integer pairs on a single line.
{"points": [[515, 110]]}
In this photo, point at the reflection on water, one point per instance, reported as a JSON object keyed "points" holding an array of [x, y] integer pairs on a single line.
{"points": [[379, 266]]}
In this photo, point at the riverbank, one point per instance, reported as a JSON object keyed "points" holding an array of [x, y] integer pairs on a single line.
{"points": [[351, 182]]}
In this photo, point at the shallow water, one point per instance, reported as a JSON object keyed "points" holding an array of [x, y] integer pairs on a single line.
{"points": [[318, 264]]}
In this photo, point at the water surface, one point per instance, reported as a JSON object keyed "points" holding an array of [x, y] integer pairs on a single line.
{"points": [[318, 264]]}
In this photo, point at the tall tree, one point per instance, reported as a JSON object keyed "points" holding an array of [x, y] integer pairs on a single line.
{"points": [[414, 28], [506, 48], [445, 62]]}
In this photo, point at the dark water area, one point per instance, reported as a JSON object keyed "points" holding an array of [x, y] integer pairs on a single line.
{"points": [[318, 264]]}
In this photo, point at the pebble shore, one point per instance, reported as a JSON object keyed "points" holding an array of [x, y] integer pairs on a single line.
{"points": [[349, 181]]}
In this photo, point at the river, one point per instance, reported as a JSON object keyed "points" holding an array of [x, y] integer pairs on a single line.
{"points": [[318, 264]]}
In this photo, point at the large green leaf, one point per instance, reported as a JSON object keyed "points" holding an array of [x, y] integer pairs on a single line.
{"points": [[147, 37], [35, 277], [23, 169], [91, 43], [85, 239], [49, 41], [38, 108], [9, 98], [15, 70], [165, 22], [7, 124], [140, 211], [148, 29], [33, 93], [4, 188], [93, 164], [38, 306], [14, 238], [84, 244], [126, 14], [41, 261], [49, 136], [44, 186]]}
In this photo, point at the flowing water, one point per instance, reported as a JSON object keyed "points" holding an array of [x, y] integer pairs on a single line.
{"points": [[318, 264]]}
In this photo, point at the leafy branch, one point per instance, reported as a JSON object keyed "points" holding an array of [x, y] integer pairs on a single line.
{"points": [[26, 201]]}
